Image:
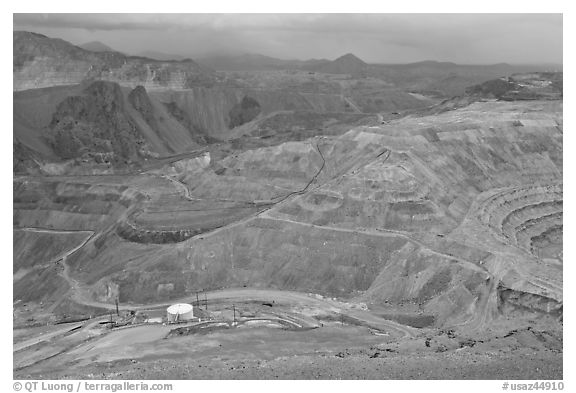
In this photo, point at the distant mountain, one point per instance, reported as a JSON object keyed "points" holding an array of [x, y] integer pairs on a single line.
{"points": [[314, 64], [160, 55], [257, 62], [40, 61], [245, 62], [443, 79], [347, 64], [97, 46]]}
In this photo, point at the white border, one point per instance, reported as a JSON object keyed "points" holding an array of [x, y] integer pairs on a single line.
{"points": [[299, 6]]}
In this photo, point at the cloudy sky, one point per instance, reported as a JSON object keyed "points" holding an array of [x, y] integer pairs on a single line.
{"points": [[376, 38]]}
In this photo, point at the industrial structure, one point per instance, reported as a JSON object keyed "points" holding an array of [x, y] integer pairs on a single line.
{"points": [[179, 312]]}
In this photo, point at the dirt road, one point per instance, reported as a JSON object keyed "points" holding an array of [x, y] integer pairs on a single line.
{"points": [[46, 336], [277, 296]]}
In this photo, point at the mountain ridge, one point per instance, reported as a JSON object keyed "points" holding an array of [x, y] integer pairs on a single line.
{"points": [[40, 61], [97, 46]]}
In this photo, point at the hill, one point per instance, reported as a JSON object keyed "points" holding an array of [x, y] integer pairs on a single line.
{"points": [[530, 86], [96, 123], [257, 62], [160, 56], [97, 46], [443, 79], [347, 64], [40, 61]]}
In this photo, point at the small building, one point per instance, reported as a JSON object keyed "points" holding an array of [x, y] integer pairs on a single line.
{"points": [[179, 312]]}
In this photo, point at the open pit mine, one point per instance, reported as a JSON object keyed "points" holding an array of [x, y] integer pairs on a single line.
{"points": [[328, 223]]}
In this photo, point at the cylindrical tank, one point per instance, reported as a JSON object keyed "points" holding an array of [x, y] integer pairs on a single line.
{"points": [[179, 312]]}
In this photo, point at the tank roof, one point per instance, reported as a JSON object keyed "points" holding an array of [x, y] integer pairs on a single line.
{"points": [[179, 308]]}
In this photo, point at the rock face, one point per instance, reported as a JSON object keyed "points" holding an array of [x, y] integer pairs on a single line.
{"points": [[40, 61], [140, 101], [216, 109], [244, 112], [168, 121], [23, 158], [100, 122], [95, 123]]}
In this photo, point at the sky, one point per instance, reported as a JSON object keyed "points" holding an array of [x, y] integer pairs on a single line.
{"points": [[375, 38]]}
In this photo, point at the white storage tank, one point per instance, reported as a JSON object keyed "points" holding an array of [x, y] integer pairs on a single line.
{"points": [[179, 312]]}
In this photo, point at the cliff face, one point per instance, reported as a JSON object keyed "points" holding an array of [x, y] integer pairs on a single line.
{"points": [[141, 102], [75, 121], [101, 122], [244, 112], [40, 61], [95, 123], [217, 109]]}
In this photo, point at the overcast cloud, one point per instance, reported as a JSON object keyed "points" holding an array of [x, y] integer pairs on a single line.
{"points": [[383, 38]]}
